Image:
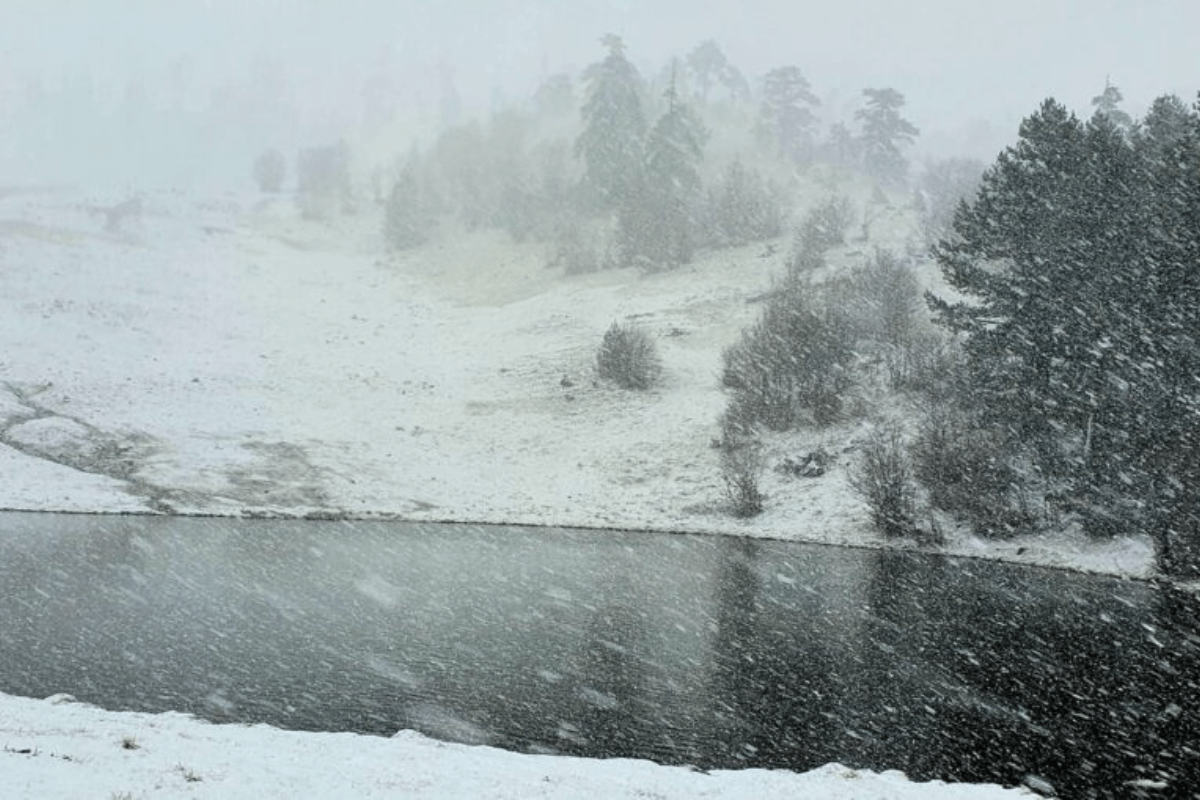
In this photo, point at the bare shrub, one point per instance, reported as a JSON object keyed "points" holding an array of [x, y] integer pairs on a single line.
{"points": [[629, 357], [883, 478], [741, 470], [928, 363]]}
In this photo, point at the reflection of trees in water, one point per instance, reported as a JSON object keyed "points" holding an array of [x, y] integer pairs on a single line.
{"points": [[1169, 691], [882, 726], [610, 681], [736, 687], [924, 703], [977, 672], [773, 678], [1049, 669]]}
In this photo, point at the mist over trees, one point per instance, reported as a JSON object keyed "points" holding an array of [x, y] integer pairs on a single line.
{"points": [[610, 170], [786, 118], [884, 132], [1063, 367]]}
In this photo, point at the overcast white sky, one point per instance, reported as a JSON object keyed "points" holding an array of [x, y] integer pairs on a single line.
{"points": [[957, 61]]}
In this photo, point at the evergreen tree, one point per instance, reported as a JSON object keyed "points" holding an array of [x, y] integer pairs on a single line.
{"points": [[840, 149], [1166, 434], [1107, 104], [1010, 254], [1165, 124], [657, 222], [786, 118], [1080, 262], [883, 132], [706, 62], [614, 126], [735, 83], [741, 208], [710, 68], [467, 181]]}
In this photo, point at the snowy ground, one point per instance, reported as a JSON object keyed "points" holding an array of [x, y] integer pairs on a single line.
{"points": [[56, 749], [223, 356]]}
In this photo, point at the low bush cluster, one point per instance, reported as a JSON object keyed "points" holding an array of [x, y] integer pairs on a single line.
{"points": [[792, 366], [883, 477], [629, 357]]}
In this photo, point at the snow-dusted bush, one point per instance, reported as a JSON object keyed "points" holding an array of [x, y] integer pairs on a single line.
{"points": [[741, 208], [792, 366], [967, 471], [629, 357], [270, 169], [883, 478], [888, 298], [825, 226]]}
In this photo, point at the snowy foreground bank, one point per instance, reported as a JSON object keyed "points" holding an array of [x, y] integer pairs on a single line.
{"points": [[56, 749]]}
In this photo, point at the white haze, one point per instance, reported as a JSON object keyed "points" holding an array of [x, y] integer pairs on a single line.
{"points": [[183, 91]]}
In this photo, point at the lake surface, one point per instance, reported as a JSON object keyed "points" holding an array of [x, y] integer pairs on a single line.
{"points": [[711, 651]]}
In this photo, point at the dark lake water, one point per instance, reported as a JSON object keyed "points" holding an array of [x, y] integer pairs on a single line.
{"points": [[711, 651]]}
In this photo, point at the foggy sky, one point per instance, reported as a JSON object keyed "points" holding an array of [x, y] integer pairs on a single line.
{"points": [[959, 63]]}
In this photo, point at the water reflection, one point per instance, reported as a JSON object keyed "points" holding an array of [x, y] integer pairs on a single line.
{"points": [[709, 651]]}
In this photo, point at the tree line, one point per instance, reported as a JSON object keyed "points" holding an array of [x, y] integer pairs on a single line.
{"points": [[1078, 267], [620, 175]]}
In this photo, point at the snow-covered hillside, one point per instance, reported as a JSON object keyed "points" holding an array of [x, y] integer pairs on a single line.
{"points": [[223, 355]]}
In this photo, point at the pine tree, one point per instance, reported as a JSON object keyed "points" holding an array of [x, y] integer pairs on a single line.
{"points": [[614, 126], [786, 118], [735, 83], [1165, 124], [709, 67], [883, 133], [706, 62], [1080, 262], [657, 222], [1107, 104], [1011, 255], [1166, 435], [741, 208]]}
